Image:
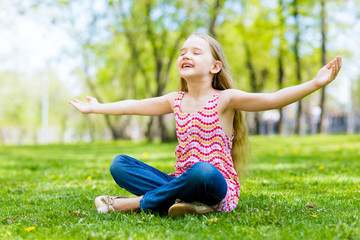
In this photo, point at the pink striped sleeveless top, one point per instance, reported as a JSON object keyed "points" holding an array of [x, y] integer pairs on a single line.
{"points": [[202, 139]]}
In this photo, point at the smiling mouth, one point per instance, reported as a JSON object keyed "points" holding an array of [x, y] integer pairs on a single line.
{"points": [[187, 65]]}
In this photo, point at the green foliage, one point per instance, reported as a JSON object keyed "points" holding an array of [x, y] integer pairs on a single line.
{"points": [[355, 94], [21, 99], [17, 88], [128, 49], [297, 188]]}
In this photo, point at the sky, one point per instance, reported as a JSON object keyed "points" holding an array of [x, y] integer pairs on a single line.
{"points": [[29, 44]]}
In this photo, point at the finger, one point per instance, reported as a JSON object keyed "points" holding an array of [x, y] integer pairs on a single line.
{"points": [[74, 104], [78, 107], [330, 64], [79, 103], [333, 62], [75, 100], [333, 73], [339, 62], [93, 99], [89, 98], [336, 65]]}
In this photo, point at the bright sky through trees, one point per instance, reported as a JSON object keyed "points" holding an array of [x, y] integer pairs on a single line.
{"points": [[30, 43], [80, 47]]}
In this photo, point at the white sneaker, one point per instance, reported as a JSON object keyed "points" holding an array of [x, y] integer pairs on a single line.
{"points": [[103, 204]]}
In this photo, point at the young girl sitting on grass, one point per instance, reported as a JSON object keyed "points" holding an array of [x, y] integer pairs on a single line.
{"points": [[210, 129]]}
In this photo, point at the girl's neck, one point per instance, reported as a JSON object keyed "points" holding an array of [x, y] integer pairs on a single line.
{"points": [[197, 89]]}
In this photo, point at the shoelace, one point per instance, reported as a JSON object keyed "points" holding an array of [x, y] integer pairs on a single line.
{"points": [[108, 200]]}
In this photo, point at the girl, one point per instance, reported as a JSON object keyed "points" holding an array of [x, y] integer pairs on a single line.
{"points": [[210, 129]]}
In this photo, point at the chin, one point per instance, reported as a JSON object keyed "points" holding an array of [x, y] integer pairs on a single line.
{"points": [[185, 76]]}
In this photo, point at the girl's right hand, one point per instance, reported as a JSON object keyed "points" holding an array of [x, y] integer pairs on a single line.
{"points": [[85, 107]]}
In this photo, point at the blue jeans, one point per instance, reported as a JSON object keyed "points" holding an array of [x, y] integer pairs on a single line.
{"points": [[201, 182]]}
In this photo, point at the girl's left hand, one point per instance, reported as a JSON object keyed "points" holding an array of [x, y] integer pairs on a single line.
{"points": [[328, 73]]}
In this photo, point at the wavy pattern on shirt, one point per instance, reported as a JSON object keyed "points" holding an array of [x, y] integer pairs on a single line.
{"points": [[202, 139]]}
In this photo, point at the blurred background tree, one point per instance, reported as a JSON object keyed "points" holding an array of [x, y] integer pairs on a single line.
{"points": [[122, 49]]}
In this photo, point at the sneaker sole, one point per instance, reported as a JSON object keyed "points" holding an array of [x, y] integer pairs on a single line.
{"points": [[181, 209]]}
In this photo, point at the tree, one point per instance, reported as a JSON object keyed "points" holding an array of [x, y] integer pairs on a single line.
{"points": [[298, 63], [156, 40], [214, 15], [257, 44], [320, 127], [280, 59]]}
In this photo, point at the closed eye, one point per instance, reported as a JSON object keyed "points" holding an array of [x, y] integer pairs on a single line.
{"points": [[183, 51]]}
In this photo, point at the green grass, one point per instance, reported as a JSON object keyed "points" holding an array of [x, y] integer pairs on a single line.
{"points": [[49, 188]]}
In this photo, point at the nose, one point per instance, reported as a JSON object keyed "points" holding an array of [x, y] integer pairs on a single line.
{"points": [[186, 56]]}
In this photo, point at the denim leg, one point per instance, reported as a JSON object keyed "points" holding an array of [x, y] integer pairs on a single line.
{"points": [[201, 182], [135, 176]]}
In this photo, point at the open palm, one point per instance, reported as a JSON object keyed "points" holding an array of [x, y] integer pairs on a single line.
{"points": [[85, 107], [328, 73]]}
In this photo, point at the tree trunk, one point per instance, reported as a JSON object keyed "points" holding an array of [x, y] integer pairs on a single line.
{"points": [[92, 88], [149, 133], [257, 123], [280, 63], [253, 84], [298, 66], [163, 66], [165, 137], [320, 127], [280, 85], [84, 43], [212, 27]]}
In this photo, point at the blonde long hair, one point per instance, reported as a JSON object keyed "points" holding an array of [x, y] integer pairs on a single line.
{"points": [[221, 81]]}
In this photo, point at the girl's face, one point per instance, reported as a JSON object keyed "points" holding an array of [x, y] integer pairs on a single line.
{"points": [[196, 60]]}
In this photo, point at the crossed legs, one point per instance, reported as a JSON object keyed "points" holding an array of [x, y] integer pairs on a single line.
{"points": [[158, 191]]}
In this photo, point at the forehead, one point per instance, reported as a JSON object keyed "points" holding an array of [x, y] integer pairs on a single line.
{"points": [[196, 42]]}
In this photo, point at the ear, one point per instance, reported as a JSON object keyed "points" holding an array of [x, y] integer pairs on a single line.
{"points": [[216, 67]]}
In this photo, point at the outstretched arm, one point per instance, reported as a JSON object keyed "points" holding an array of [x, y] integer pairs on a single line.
{"points": [[150, 106], [240, 100]]}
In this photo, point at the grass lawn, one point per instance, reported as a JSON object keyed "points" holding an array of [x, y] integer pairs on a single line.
{"points": [[297, 188]]}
